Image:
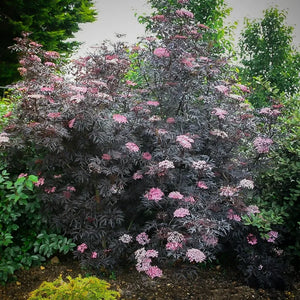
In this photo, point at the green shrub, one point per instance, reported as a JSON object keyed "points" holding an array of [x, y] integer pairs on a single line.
{"points": [[23, 238], [78, 288]]}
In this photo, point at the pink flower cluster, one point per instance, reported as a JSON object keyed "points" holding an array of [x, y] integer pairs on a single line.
{"points": [[153, 103], [227, 191], [94, 255], [220, 113], [184, 13], [195, 255], [185, 141], [40, 181], [132, 147], [252, 209], [81, 248], [201, 165], [269, 112], [160, 18], [272, 236], [262, 145], [243, 88], [175, 195], [202, 185], [50, 190], [161, 52], [144, 260], [251, 239], [54, 115], [119, 118], [106, 156], [137, 175], [210, 240], [222, 89], [147, 156], [142, 238], [166, 164], [154, 194], [181, 212], [232, 216]]}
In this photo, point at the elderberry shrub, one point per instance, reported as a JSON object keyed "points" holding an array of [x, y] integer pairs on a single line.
{"points": [[143, 150]]}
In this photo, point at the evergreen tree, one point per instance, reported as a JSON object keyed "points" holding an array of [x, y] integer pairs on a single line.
{"points": [[52, 23]]}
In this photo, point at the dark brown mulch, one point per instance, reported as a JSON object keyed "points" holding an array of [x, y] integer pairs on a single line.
{"points": [[215, 283]]}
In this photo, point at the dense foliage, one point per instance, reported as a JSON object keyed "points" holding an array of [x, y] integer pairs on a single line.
{"points": [[24, 238], [89, 288], [153, 170], [52, 23], [267, 54], [212, 13]]}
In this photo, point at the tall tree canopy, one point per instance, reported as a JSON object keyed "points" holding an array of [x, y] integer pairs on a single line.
{"points": [[267, 52], [52, 23]]}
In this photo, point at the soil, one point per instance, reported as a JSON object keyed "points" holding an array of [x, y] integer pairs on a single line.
{"points": [[215, 283]]}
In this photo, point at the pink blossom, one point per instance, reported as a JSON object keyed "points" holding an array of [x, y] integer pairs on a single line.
{"points": [[34, 44], [34, 57], [142, 238], [22, 71], [251, 239], [195, 255], [185, 141], [7, 115], [222, 89], [155, 118], [154, 271], [227, 191], [173, 246], [119, 118], [54, 115], [183, 1], [47, 89], [50, 190], [170, 120], [273, 235], [161, 52], [262, 145], [71, 123], [94, 255], [106, 156], [252, 209], [166, 164], [151, 253], [189, 199], [220, 113], [71, 188], [132, 147], [210, 240], [162, 131], [146, 156], [177, 36], [181, 212], [202, 185], [188, 61], [125, 238], [160, 18], [81, 248], [78, 89], [51, 54], [175, 195], [137, 175], [243, 88], [153, 103], [201, 165], [22, 175], [203, 26], [154, 194], [184, 13], [130, 83], [232, 216], [50, 64], [40, 181]]}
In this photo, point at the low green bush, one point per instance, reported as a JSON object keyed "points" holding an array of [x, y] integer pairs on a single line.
{"points": [[89, 288], [24, 240]]}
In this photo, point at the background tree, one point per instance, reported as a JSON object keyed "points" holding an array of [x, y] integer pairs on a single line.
{"points": [[268, 56], [51, 22]]}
